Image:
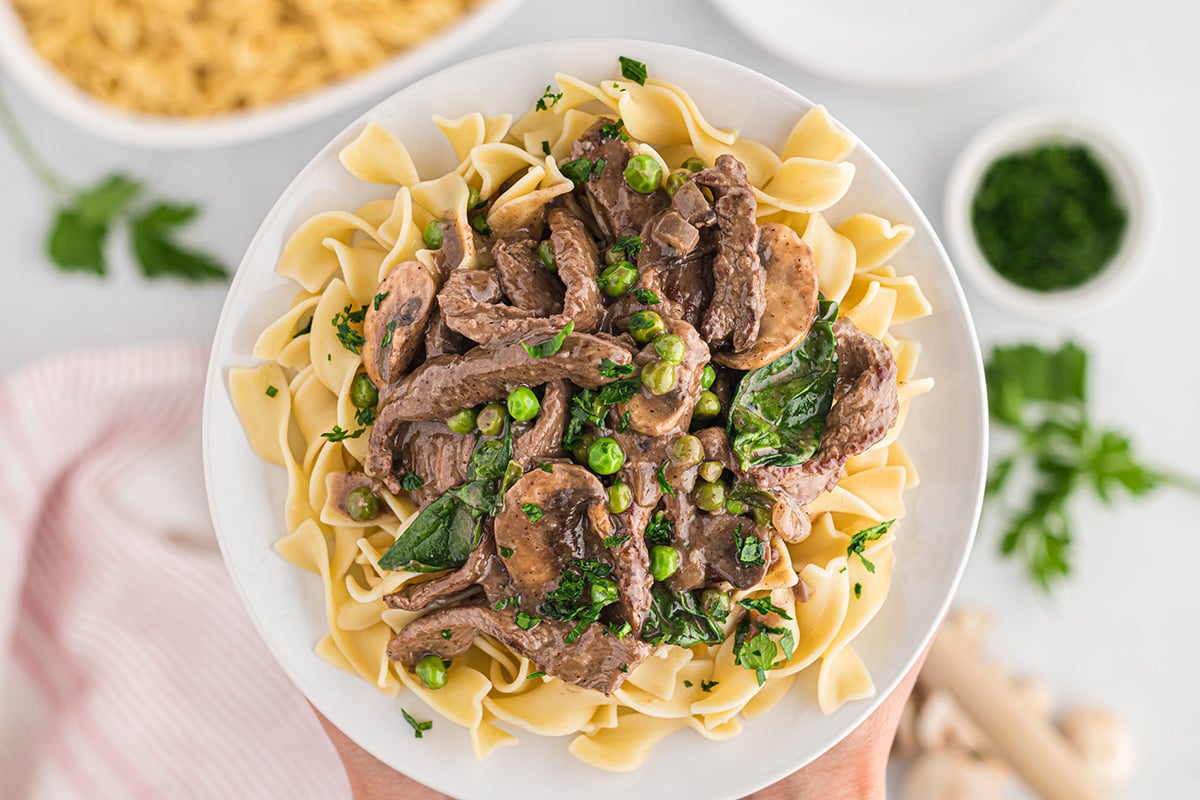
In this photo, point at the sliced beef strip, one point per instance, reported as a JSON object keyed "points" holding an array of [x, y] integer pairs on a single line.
{"points": [[738, 279], [791, 298], [659, 415], [578, 267], [435, 454], [572, 526], [631, 561], [444, 385], [440, 340], [483, 568], [467, 308], [596, 660], [394, 326], [865, 407], [526, 282], [708, 543], [543, 441], [619, 210]]}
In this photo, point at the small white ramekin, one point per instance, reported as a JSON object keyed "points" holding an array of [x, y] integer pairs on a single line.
{"points": [[1131, 181]]}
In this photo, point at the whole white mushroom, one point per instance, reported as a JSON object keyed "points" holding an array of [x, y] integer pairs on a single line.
{"points": [[953, 776], [1103, 742]]}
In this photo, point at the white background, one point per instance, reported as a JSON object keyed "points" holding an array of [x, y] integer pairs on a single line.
{"points": [[1124, 631]]}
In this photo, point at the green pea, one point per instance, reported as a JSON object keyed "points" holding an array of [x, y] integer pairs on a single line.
{"points": [[472, 197], [362, 504], [670, 348], [664, 561], [643, 174], [620, 497], [659, 377], [523, 404], [545, 252], [491, 419], [709, 377], [676, 180], [711, 470], [363, 392], [605, 456], [694, 164], [432, 671], [709, 495], [604, 591], [463, 421], [735, 506], [687, 450], [645, 325], [433, 234], [715, 603], [708, 405], [615, 255], [617, 279], [580, 453], [762, 516]]}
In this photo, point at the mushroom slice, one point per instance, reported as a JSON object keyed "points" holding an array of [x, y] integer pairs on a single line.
{"points": [[659, 415], [791, 298], [395, 322]]}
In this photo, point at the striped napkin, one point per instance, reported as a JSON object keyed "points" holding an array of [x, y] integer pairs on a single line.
{"points": [[128, 668]]}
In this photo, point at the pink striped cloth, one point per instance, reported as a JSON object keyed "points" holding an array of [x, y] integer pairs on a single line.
{"points": [[128, 666]]}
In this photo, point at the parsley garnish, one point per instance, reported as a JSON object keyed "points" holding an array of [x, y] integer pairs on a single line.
{"points": [[411, 481], [507, 552], [762, 605], [616, 539], [480, 223], [614, 130], [379, 298], [857, 591], [387, 337], [621, 391], [597, 168], [645, 297], [446, 634], [620, 631], [545, 147], [631, 245], [365, 416], [660, 529], [582, 170], [507, 602], [624, 668], [757, 652], [306, 329], [751, 551], [687, 683], [271, 391], [351, 338], [419, 728], [532, 511], [538, 674], [661, 476], [339, 434], [633, 70], [548, 99], [611, 369], [546, 467], [585, 588], [552, 345], [707, 686], [527, 621], [859, 541]]}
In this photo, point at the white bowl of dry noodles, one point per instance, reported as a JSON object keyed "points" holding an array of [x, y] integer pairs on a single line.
{"points": [[183, 74], [603, 412]]}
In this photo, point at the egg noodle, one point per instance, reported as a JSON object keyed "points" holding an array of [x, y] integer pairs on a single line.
{"points": [[193, 58], [339, 257]]}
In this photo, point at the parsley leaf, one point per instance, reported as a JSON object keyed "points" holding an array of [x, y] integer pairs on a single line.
{"points": [[858, 591], [538, 674], [527, 621], [507, 552], [352, 338], [582, 170], [660, 529], [158, 254], [411, 481], [611, 369], [548, 99], [339, 434], [621, 391], [271, 391], [552, 345], [532, 511], [631, 245], [379, 298], [858, 542], [546, 467], [614, 130], [750, 550], [306, 329], [707, 686], [546, 147], [365, 416], [446, 633], [108, 200], [507, 602], [633, 70], [76, 244], [646, 297], [661, 476], [616, 539], [419, 728], [762, 605]]}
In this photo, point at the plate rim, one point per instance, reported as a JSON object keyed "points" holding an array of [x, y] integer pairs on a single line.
{"points": [[920, 221]]}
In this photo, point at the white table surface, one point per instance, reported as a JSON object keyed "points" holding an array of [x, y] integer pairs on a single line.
{"points": [[1123, 632]]}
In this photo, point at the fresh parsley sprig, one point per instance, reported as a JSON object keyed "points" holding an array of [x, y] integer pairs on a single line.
{"points": [[84, 217], [1041, 396]]}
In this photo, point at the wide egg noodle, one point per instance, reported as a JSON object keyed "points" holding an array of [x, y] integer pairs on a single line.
{"points": [[807, 185], [875, 239], [817, 136], [282, 341], [307, 260], [833, 255], [550, 708], [377, 156]]}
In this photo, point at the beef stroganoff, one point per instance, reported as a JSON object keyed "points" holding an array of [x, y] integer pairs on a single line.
{"points": [[597, 434]]}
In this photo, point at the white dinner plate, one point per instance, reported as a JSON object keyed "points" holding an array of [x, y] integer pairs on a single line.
{"points": [[945, 434], [895, 44]]}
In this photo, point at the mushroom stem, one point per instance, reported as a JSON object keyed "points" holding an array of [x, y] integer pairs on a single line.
{"points": [[1039, 753]]}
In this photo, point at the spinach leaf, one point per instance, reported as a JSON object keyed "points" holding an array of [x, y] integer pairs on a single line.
{"points": [[778, 413], [678, 618]]}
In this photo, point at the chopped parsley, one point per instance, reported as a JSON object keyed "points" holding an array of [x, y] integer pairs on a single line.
{"points": [[858, 591], [632, 70], [707, 686], [620, 631], [611, 369], [858, 542], [387, 337], [762, 605], [585, 588], [616, 539], [646, 297], [532, 511], [379, 298], [621, 391], [661, 476], [365, 416], [614, 130], [271, 391], [538, 674], [411, 481], [552, 345], [545, 147], [751, 551], [508, 602], [687, 683], [623, 423], [582, 170], [446, 634], [350, 337], [507, 552], [480, 224], [527, 621], [597, 168], [339, 434], [624, 668], [631, 245], [548, 99], [660, 529], [546, 467], [757, 653], [306, 329], [419, 728]]}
